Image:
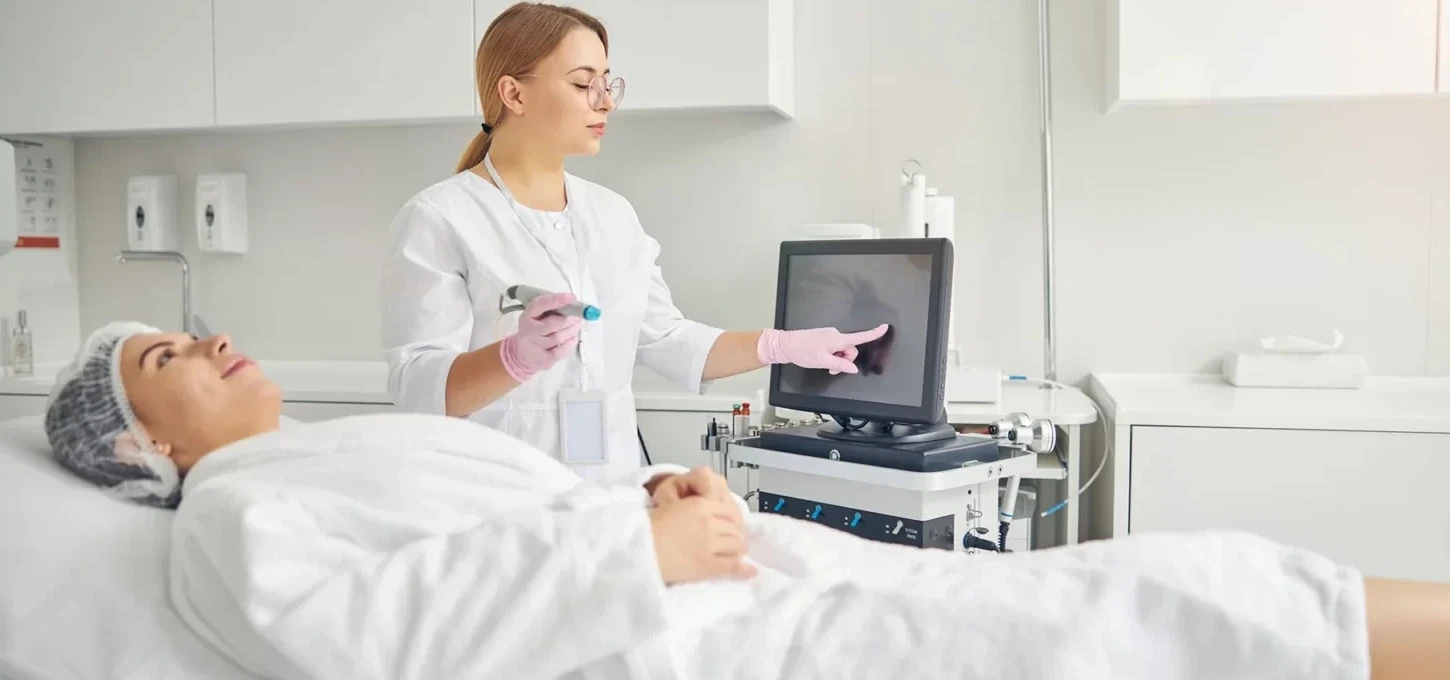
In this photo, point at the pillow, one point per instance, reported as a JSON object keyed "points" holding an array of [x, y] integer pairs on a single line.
{"points": [[83, 577]]}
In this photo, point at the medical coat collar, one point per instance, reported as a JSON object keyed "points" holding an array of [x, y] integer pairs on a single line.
{"points": [[580, 286]]}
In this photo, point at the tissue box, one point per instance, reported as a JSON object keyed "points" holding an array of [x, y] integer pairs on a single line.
{"points": [[1272, 369]]}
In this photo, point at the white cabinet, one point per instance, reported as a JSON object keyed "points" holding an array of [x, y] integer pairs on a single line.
{"points": [[9, 213], [78, 66], [1367, 499], [1194, 50], [1444, 69], [326, 61], [14, 406], [69, 66], [1354, 474], [712, 55], [314, 411]]}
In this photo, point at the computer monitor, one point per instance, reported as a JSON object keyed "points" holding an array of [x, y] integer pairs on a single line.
{"points": [[857, 285]]}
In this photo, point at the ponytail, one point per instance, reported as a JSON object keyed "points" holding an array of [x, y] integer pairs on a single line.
{"points": [[475, 152]]}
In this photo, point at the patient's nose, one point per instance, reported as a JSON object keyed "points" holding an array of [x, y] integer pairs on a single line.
{"points": [[219, 344]]}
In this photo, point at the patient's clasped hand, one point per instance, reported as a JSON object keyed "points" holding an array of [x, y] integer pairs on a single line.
{"points": [[409, 546], [696, 526]]}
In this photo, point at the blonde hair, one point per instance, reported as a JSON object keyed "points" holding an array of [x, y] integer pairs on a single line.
{"points": [[515, 42]]}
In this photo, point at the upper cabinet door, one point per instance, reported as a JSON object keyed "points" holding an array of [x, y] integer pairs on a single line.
{"points": [[697, 54], [1191, 50], [1444, 45], [340, 61], [82, 66]]}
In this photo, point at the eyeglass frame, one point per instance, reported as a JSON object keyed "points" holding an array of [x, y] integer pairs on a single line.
{"points": [[595, 91]]}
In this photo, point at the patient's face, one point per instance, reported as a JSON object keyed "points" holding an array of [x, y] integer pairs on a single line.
{"points": [[195, 396]]}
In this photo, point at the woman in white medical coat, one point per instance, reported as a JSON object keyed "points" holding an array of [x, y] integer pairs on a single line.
{"points": [[511, 215]]}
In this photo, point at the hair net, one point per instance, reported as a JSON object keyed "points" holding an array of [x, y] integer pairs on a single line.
{"points": [[93, 431]]}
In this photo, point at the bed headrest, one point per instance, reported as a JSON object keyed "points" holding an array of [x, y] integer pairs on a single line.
{"points": [[83, 576]]}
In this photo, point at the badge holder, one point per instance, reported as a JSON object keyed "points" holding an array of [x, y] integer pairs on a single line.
{"points": [[582, 431]]}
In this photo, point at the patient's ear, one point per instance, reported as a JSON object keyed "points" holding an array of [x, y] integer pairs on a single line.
{"points": [[128, 447]]}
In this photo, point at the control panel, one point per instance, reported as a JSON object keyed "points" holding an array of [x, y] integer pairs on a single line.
{"points": [[933, 533]]}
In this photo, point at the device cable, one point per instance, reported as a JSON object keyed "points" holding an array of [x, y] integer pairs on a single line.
{"points": [[642, 448], [1107, 451]]}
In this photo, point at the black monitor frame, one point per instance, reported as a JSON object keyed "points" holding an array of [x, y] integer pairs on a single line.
{"points": [[933, 389]]}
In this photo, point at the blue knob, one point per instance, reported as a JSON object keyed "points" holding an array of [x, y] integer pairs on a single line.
{"points": [[816, 513], [779, 503], [856, 518], [591, 313]]}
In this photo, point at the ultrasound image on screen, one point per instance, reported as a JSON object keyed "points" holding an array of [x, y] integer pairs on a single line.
{"points": [[857, 293]]}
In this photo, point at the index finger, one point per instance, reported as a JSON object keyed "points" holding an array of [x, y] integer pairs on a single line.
{"points": [[547, 303], [862, 337]]}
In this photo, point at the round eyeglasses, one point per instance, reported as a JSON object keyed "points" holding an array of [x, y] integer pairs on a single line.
{"points": [[597, 87]]}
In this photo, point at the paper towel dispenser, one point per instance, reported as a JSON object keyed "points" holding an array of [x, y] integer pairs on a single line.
{"points": [[9, 205]]}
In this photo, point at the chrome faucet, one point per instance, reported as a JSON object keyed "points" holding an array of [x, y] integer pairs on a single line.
{"points": [[172, 256]]}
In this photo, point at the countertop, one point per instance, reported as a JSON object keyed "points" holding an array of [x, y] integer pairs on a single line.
{"points": [[1383, 404], [1064, 406], [366, 382]]}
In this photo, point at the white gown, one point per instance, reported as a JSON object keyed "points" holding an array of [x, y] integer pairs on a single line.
{"points": [[460, 243], [404, 546]]}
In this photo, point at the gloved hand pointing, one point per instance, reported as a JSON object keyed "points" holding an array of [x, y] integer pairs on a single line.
{"points": [[825, 348], [543, 338]]}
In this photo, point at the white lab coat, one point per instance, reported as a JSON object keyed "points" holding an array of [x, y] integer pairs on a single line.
{"points": [[460, 243]]}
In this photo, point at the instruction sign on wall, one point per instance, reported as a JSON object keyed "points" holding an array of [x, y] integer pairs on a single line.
{"points": [[37, 196]]}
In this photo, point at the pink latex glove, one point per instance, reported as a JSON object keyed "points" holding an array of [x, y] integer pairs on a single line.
{"points": [[543, 338], [825, 348]]}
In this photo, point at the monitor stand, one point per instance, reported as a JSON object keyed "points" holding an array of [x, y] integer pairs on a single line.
{"points": [[887, 434]]}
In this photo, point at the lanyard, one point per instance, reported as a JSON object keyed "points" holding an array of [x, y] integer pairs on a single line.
{"points": [[570, 198]]}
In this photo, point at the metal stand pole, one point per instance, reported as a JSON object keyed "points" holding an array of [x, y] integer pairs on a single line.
{"points": [[1044, 82]]}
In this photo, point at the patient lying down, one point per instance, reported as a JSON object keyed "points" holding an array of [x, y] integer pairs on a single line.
{"points": [[402, 546]]}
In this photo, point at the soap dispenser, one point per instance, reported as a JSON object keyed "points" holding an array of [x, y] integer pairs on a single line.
{"points": [[22, 347]]}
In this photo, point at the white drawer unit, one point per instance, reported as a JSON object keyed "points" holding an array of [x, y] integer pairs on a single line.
{"points": [[1355, 475], [20, 405], [1373, 500]]}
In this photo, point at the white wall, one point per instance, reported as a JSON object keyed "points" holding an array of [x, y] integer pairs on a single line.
{"points": [[1183, 231], [1187, 230]]}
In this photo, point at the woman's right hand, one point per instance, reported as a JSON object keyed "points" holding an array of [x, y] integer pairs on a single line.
{"points": [[698, 539], [543, 338]]}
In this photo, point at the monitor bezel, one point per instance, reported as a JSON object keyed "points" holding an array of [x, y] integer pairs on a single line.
{"points": [[933, 388]]}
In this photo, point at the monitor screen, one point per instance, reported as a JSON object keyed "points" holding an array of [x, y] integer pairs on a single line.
{"points": [[897, 285]]}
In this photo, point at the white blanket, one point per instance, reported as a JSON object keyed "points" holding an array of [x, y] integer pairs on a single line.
{"points": [[400, 546]]}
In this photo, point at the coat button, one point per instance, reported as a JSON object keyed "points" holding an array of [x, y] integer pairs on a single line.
{"points": [[558, 226]]}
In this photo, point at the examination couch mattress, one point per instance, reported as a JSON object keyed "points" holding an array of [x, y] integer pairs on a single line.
{"points": [[83, 578]]}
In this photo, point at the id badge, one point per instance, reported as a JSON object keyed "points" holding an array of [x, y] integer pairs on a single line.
{"points": [[583, 435]]}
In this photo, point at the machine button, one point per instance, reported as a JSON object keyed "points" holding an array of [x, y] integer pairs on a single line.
{"points": [[816, 513], [855, 519], [779, 503]]}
